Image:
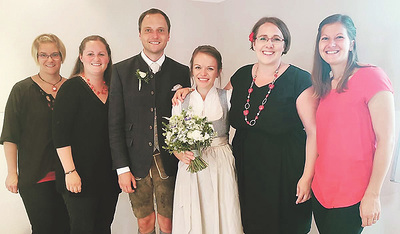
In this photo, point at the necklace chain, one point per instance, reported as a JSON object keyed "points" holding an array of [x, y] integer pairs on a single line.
{"points": [[54, 87], [264, 101], [104, 88]]}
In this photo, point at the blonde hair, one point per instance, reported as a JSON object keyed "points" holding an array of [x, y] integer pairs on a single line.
{"points": [[48, 38]]}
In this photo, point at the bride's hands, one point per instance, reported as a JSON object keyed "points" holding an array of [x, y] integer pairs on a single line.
{"points": [[184, 157]]}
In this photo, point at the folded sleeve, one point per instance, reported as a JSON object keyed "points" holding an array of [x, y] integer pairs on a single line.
{"points": [[303, 82], [375, 80], [64, 114], [12, 117]]}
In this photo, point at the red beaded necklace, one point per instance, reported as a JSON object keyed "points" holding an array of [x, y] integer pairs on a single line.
{"points": [[264, 101], [104, 88]]}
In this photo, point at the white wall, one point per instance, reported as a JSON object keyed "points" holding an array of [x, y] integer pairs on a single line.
{"points": [[225, 25]]}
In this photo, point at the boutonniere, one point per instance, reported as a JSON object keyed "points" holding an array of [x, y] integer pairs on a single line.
{"points": [[142, 76]]}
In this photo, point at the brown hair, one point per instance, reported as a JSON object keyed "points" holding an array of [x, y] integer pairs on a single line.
{"points": [[278, 23], [48, 38], [78, 68], [210, 50], [321, 69], [153, 11]]}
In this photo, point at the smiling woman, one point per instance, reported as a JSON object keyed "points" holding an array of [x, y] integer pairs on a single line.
{"points": [[205, 70], [80, 133], [207, 201], [334, 45], [273, 114], [27, 139], [355, 130]]}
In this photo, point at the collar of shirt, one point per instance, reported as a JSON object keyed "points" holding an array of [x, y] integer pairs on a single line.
{"points": [[160, 61]]}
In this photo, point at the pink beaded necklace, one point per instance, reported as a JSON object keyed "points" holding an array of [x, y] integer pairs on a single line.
{"points": [[104, 88], [264, 101]]}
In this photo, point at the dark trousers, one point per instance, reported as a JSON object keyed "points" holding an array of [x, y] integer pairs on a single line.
{"points": [[45, 208], [91, 214], [344, 220]]}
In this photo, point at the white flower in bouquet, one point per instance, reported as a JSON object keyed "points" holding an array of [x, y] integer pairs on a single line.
{"points": [[195, 135], [187, 132]]}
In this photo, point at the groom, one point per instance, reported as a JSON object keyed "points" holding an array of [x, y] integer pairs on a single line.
{"points": [[140, 96]]}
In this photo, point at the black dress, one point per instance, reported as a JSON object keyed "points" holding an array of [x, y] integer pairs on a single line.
{"points": [[270, 155], [80, 120]]}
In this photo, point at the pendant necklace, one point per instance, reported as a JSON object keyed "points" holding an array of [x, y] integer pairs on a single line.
{"points": [[264, 101], [54, 87]]}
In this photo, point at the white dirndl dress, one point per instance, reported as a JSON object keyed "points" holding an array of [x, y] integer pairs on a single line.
{"points": [[207, 202]]}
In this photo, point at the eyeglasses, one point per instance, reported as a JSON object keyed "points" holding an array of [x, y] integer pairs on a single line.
{"points": [[54, 56], [274, 40]]}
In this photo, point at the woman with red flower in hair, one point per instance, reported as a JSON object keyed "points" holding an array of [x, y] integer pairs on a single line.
{"points": [[273, 112]]}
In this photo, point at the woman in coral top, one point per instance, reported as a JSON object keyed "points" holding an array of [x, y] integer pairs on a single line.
{"points": [[355, 131]]}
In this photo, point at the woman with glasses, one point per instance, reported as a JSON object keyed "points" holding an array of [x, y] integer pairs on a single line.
{"points": [[355, 131], [80, 132], [273, 112], [27, 139]]}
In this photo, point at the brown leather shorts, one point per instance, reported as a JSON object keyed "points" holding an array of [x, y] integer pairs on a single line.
{"points": [[155, 185]]}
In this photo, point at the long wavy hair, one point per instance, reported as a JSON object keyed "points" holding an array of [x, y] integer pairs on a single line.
{"points": [[321, 70], [78, 68]]}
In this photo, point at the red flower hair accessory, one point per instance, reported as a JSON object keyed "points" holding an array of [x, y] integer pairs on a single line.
{"points": [[251, 37]]}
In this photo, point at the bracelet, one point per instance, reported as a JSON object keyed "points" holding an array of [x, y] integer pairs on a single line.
{"points": [[69, 172]]}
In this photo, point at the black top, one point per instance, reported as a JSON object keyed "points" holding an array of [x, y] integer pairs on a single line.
{"points": [[132, 111], [270, 155], [27, 123], [80, 120]]}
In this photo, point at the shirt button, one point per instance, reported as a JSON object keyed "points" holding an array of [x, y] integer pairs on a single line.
{"points": [[150, 144], [151, 127], [152, 109], [152, 92]]}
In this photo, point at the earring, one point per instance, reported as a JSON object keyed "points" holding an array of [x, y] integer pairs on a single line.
{"points": [[351, 46]]}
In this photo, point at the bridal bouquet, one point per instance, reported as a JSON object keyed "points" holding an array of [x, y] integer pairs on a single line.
{"points": [[186, 132]]}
